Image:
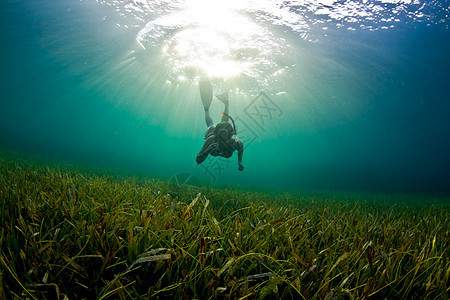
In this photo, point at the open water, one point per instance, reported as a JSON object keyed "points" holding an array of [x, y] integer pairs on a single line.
{"points": [[327, 95]]}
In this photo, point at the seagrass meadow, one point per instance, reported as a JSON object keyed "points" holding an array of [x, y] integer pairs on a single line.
{"points": [[68, 233]]}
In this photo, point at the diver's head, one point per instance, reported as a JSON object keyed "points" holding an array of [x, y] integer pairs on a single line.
{"points": [[223, 132]]}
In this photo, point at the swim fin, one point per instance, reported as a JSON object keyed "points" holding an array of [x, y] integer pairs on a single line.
{"points": [[206, 93], [223, 97]]}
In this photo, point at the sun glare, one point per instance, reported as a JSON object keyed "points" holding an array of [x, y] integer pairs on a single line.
{"points": [[206, 44], [215, 39]]}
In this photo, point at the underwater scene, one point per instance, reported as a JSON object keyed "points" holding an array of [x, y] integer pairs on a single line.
{"points": [[240, 149]]}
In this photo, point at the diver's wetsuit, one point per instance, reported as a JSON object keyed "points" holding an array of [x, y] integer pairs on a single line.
{"points": [[213, 147]]}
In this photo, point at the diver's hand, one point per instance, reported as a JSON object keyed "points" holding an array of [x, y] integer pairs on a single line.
{"points": [[241, 167]]}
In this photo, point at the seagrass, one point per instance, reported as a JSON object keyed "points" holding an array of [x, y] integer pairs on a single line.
{"points": [[71, 233]]}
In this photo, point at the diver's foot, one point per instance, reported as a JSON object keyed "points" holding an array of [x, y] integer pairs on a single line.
{"points": [[223, 97], [206, 93]]}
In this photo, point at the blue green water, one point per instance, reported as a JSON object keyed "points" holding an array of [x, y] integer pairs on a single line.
{"points": [[327, 95]]}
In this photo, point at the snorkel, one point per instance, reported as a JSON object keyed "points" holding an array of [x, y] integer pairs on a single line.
{"points": [[234, 124]]}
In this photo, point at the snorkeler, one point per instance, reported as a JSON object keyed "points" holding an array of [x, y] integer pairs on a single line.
{"points": [[219, 138]]}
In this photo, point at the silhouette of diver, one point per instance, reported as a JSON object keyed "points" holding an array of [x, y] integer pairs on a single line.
{"points": [[219, 138]]}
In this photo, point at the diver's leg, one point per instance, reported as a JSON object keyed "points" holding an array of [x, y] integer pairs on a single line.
{"points": [[206, 95], [208, 118], [225, 116], [223, 97]]}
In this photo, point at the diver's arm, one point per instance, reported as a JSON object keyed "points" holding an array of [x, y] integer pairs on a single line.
{"points": [[206, 150], [240, 154]]}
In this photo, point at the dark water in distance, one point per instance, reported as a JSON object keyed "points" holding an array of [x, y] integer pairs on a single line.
{"points": [[355, 94]]}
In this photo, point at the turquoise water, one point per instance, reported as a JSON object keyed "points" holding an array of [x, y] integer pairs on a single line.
{"points": [[328, 95]]}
